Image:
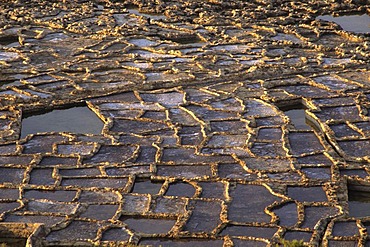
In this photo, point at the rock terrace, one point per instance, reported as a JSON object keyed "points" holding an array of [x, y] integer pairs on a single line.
{"points": [[197, 147]]}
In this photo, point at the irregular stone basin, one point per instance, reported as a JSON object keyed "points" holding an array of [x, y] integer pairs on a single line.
{"points": [[351, 23], [197, 149], [358, 202], [77, 120], [298, 118]]}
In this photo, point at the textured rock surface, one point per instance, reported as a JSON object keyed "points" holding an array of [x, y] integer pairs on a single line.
{"points": [[197, 147]]}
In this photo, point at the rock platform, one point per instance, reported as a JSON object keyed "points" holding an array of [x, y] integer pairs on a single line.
{"points": [[226, 123]]}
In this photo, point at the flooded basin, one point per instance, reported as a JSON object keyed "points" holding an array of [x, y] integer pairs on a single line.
{"points": [[76, 120], [298, 119], [359, 201], [206, 123], [350, 23]]}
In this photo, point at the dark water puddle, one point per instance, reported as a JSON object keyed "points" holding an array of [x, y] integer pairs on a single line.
{"points": [[79, 120], [12, 242], [298, 119], [350, 23], [297, 116], [10, 40], [359, 200]]}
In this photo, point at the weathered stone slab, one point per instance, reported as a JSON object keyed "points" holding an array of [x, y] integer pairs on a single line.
{"points": [[137, 126], [252, 210], [188, 156], [16, 160], [8, 149], [234, 171], [172, 206], [186, 242], [6, 207], [249, 231], [190, 135], [51, 207], [317, 173], [269, 134], [355, 148], [111, 154], [136, 204], [248, 243], [42, 176], [73, 232], [149, 226], [213, 190], [79, 172], [305, 142], [147, 155], [9, 194], [147, 187], [343, 130], [48, 221], [361, 173], [42, 144], [11, 175], [187, 171], [170, 99], [205, 216], [114, 183], [287, 213], [343, 113], [180, 190], [345, 228], [80, 149], [100, 212], [221, 141], [314, 214], [298, 235], [307, 194], [230, 127], [267, 164], [267, 149], [210, 115], [130, 170], [315, 159], [58, 161], [116, 234], [52, 195], [98, 197]]}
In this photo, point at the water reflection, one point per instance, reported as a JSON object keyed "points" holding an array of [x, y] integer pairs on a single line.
{"points": [[358, 200], [76, 120], [351, 23], [298, 119]]}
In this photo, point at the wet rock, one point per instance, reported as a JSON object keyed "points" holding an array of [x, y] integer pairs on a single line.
{"points": [[288, 214], [73, 230], [52, 195], [42, 176], [115, 183], [99, 212], [149, 226], [257, 232], [307, 194], [202, 142], [205, 216], [314, 214], [253, 210]]}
